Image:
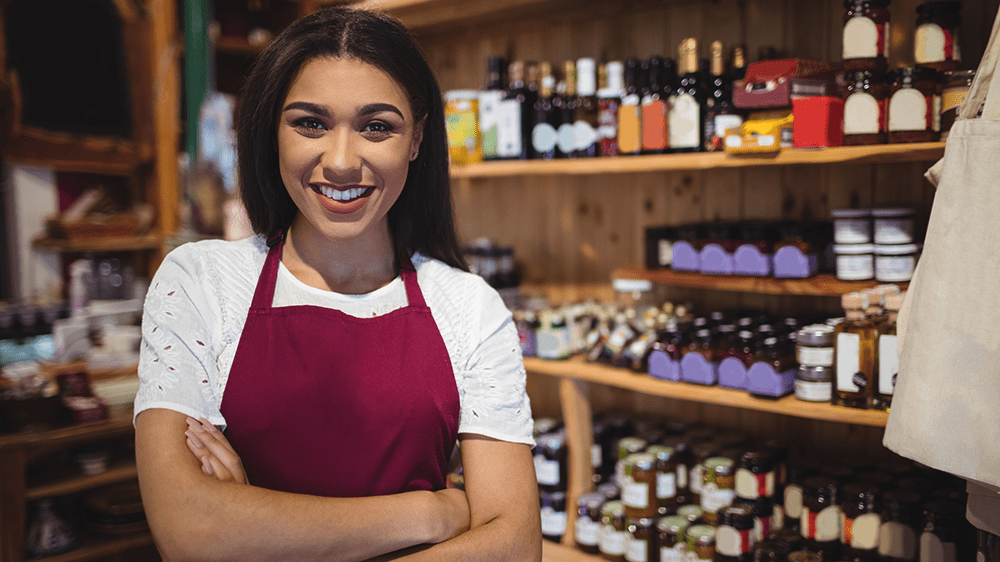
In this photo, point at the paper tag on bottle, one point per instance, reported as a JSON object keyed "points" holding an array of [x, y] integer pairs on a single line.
{"points": [[546, 471], [666, 485], [636, 495], [586, 532], [848, 361], [888, 364], [553, 522]]}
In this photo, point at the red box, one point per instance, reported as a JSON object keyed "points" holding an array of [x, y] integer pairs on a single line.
{"points": [[770, 84], [819, 121]]}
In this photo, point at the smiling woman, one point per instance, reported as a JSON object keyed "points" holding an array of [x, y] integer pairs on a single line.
{"points": [[303, 390]]}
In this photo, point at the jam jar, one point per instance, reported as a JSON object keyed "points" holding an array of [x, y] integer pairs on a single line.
{"points": [[936, 41], [666, 477], [587, 529], [793, 498], [614, 531], [861, 521], [943, 521], [755, 475], [900, 525], [701, 542], [639, 486], [762, 510], [866, 34], [771, 550], [640, 541], [718, 490], [819, 523], [915, 105], [957, 84], [734, 535], [866, 97], [553, 515], [696, 470], [550, 461], [670, 537], [693, 513]]}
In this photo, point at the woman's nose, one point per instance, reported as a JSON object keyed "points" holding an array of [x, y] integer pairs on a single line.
{"points": [[340, 156]]}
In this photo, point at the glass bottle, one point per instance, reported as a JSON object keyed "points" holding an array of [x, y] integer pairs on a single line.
{"points": [[516, 115], [629, 117], [721, 114], [609, 100], [888, 353], [861, 522], [654, 108], [819, 523], [546, 119], [490, 108], [566, 140], [614, 531], [855, 354], [586, 120], [636, 354], [687, 105], [738, 65], [901, 524], [588, 522]]}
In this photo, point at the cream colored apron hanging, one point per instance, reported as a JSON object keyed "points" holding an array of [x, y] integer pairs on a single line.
{"points": [[946, 408]]}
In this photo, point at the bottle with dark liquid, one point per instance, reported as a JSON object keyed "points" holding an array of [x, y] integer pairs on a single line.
{"points": [[654, 109], [566, 142], [546, 119], [629, 117], [721, 114], [516, 115], [688, 104], [609, 99], [586, 120], [490, 108]]}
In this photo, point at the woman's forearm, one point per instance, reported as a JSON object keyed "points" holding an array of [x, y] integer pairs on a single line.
{"points": [[504, 538]]}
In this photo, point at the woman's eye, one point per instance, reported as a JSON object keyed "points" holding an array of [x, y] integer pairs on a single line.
{"points": [[309, 123], [378, 129]]}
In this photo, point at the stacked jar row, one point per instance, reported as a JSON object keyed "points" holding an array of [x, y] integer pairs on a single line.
{"points": [[675, 491]]}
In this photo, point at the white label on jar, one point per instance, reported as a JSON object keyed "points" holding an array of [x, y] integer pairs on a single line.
{"points": [[848, 362], [697, 478], [636, 550], [863, 532], [509, 132], [778, 517], [567, 138], [636, 495], [586, 531], [793, 501], [813, 391], [855, 267], [713, 498], [730, 542], [936, 114], [684, 115], [553, 522], [888, 363], [672, 554], [929, 44], [828, 524], [894, 231], [752, 486], [852, 231], [613, 543], [815, 356], [666, 485], [546, 471], [860, 39], [861, 114], [933, 550], [665, 253], [543, 137], [596, 456], [682, 476], [726, 122], [908, 110], [585, 134], [898, 541], [895, 269]]}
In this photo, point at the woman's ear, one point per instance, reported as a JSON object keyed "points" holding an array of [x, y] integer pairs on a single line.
{"points": [[418, 137]]}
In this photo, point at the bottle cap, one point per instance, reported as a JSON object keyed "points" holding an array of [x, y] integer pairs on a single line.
{"points": [[586, 77], [616, 80], [854, 301]]}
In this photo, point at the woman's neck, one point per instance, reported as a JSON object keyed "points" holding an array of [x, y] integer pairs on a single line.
{"points": [[352, 267]]}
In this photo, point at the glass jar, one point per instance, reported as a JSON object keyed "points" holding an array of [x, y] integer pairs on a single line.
{"points": [[693, 513], [696, 470], [553, 515], [718, 489], [865, 108], [701, 542], [866, 34], [861, 521], [852, 226], [762, 510], [901, 525], [814, 384], [814, 345], [755, 475], [587, 529], [936, 43], [793, 499], [895, 263], [941, 531], [670, 537], [915, 105], [956, 86], [627, 446], [614, 531], [461, 116], [550, 461], [893, 225], [733, 536], [640, 543], [666, 478], [819, 522], [639, 486], [855, 262]]}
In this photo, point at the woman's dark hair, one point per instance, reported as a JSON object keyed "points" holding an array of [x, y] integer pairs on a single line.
{"points": [[421, 220]]}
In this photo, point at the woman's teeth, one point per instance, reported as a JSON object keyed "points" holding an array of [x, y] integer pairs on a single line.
{"points": [[342, 195]]}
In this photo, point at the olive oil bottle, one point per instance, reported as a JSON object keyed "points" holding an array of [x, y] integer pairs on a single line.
{"points": [[888, 353], [855, 354]]}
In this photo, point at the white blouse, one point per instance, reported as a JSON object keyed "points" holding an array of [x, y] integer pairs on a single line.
{"points": [[198, 301]]}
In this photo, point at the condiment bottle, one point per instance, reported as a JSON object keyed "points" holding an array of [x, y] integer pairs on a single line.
{"points": [[900, 525], [866, 34], [670, 538], [855, 351], [701, 542], [654, 108], [588, 522], [861, 522], [609, 99], [888, 352], [666, 477], [820, 521], [639, 486], [733, 535], [614, 531], [640, 544], [586, 119], [717, 490]]}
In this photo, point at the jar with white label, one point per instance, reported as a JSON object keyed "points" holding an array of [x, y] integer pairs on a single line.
{"points": [[915, 105], [900, 525], [894, 263], [861, 523], [941, 532], [614, 531], [639, 486], [852, 226], [819, 522], [588, 522], [755, 475], [855, 262], [639, 543], [866, 99], [701, 543], [936, 41], [733, 536], [553, 515], [666, 477], [866, 34], [814, 384], [550, 461], [719, 487], [814, 345], [893, 225], [670, 538]]}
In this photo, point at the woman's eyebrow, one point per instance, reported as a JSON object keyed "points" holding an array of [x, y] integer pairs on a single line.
{"points": [[310, 107], [369, 109], [373, 108]]}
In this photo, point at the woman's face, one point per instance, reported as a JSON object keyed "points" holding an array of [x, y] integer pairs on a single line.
{"points": [[346, 135]]}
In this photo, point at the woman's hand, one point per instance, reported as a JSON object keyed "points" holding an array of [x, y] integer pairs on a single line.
{"points": [[217, 456]]}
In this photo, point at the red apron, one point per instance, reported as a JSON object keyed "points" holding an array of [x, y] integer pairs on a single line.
{"points": [[323, 403]]}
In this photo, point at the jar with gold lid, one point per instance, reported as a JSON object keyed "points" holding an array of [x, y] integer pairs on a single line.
{"points": [[701, 542], [666, 465]]}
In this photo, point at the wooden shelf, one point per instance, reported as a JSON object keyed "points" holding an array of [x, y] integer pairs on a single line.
{"points": [[114, 426], [875, 154], [99, 546], [443, 15], [822, 285], [555, 552], [120, 472], [578, 369], [123, 244], [67, 152]]}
